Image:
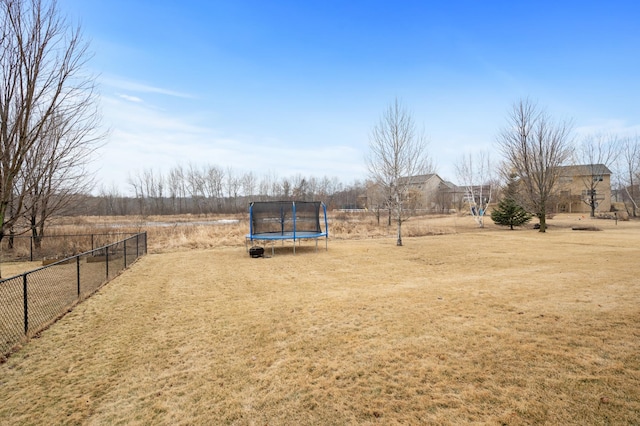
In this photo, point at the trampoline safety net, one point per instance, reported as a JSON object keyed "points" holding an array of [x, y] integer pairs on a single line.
{"points": [[285, 217]]}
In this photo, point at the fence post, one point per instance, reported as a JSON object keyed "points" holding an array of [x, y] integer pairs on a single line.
{"points": [[125, 253], [26, 304], [47, 315], [137, 245], [92, 242], [31, 248], [78, 273], [145, 242]]}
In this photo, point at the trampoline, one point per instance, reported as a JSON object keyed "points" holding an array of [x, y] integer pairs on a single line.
{"points": [[270, 221]]}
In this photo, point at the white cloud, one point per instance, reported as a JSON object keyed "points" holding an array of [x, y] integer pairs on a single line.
{"points": [[609, 126], [134, 86], [130, 98], [145, 137]]}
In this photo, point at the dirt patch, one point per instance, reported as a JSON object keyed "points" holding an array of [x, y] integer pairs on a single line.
{"points": [[585, 228]]}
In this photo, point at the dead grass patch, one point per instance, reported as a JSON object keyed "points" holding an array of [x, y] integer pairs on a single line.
{"points": [[483, 326]]}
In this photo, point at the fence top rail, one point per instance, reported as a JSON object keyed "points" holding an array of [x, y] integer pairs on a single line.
{"points": [[66, 259], [73, 235]]}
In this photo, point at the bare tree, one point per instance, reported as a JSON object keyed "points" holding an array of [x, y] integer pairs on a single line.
{"points": [[42, 60], [333, 186], [476, 175], [376, 199], [233, 188], [269, 186], [213, 186], [276, 187], [286, 188], [595, 154], [312, 187], [534, 146], [630, 156], [326, 189], [137, 182], [299, 187], [264, 187], [56, 169], [397, 153], [195, 187], [154, 184], [110, 197], [177, 186], [249, 184]]}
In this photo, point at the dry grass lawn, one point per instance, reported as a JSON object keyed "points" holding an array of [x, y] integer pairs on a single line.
{"points": [[482, 326]]}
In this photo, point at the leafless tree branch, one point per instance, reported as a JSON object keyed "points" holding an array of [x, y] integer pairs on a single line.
{"points": [[397, 154], [534, 146]]}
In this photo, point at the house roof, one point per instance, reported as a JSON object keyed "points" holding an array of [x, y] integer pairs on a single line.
{"points": [[418, 179], [584, 170], [445, 184]]}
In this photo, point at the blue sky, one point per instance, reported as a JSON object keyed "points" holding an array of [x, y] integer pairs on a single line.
{"points": [[294, 87]]}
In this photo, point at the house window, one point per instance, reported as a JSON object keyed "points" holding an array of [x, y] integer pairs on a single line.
{"points": [[597, 178]]}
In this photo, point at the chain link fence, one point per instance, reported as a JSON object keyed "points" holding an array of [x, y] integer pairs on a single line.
{"points": [[32, 301], [25, 247]]}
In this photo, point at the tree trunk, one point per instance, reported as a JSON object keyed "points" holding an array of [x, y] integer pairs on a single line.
{"points": [[37, 239], [3, 210], [632, 195], [543, 222], [399, 218]]}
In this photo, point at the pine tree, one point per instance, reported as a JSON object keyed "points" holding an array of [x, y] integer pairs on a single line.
{"points": [[510, 213]]}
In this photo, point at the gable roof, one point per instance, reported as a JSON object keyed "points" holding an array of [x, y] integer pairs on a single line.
{"points": [[418, 179], [449, 185], [584, 170]]}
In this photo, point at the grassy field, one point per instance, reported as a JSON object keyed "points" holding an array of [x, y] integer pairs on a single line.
{"points": [[459, 326]]}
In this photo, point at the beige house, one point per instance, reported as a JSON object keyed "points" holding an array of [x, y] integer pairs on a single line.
{"points": [[422, 188], [579, 185], [433, 194]]}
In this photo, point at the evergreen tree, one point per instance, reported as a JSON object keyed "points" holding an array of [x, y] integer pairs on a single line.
{"points": [[510, 213]]}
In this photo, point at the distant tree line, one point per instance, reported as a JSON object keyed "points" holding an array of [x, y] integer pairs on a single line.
{"points": [[212, 189]]}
